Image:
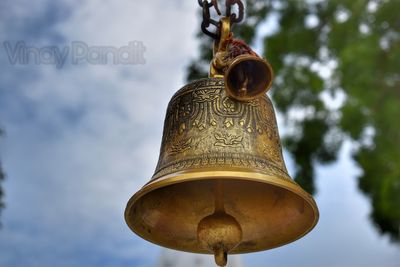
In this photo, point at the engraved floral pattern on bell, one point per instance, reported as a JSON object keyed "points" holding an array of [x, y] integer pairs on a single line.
{"points": [[206, 128]]}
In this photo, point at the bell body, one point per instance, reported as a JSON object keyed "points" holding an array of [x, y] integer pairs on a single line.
{"points": [[210, 137]]}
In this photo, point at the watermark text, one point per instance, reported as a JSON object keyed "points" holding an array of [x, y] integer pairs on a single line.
{"points": [[77, 53]]}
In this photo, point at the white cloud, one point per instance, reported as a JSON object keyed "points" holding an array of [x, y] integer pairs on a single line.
{"points": [[81, 140]]}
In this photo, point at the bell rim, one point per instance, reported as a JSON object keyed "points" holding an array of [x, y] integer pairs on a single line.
{"points": [[210, 174]]}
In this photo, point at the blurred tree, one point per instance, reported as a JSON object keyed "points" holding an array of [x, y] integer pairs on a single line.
{"points": [[337, 78]]}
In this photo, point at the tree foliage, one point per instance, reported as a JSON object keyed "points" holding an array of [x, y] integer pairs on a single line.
{"points": [[327, 49]]}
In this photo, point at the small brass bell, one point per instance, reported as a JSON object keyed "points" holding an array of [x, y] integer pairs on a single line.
{"points": [[247, 76], [221, 185]]}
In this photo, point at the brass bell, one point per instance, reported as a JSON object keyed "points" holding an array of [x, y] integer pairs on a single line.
{"points": [[221, 185], [247, 76], [220, 159]]}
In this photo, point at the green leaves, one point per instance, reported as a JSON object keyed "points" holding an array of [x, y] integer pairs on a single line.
{"points": [[353, 120], [298, 87]]}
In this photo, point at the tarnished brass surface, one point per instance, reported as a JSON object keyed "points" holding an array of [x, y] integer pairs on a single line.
{"points": [[209, 137]]}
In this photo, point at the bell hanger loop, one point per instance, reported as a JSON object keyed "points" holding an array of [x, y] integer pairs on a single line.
{"points": [[225, 34], [220, 48]]}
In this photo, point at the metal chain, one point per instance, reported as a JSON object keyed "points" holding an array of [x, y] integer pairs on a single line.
{"points": [[207, 20], [229, 4]]}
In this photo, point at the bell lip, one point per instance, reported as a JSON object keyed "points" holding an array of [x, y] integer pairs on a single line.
{"points": [[210, 174], [239, 59]]}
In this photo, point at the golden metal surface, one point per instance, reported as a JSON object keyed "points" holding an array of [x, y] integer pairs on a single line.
{"points": [[211, 139], [247, 76], [220, 49]]}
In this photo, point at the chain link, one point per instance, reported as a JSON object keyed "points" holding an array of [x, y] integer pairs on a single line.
{"points": [[208, 21], [233, 17]]}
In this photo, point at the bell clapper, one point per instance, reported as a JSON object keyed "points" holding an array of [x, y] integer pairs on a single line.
{"points": [[219, 232], [243, 89], [221, 257]]}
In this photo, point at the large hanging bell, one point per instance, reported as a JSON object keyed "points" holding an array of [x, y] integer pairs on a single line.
{"points": [[221, 184]]}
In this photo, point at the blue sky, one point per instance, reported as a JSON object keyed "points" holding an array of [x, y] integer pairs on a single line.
{"points": [[80, 140]]}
